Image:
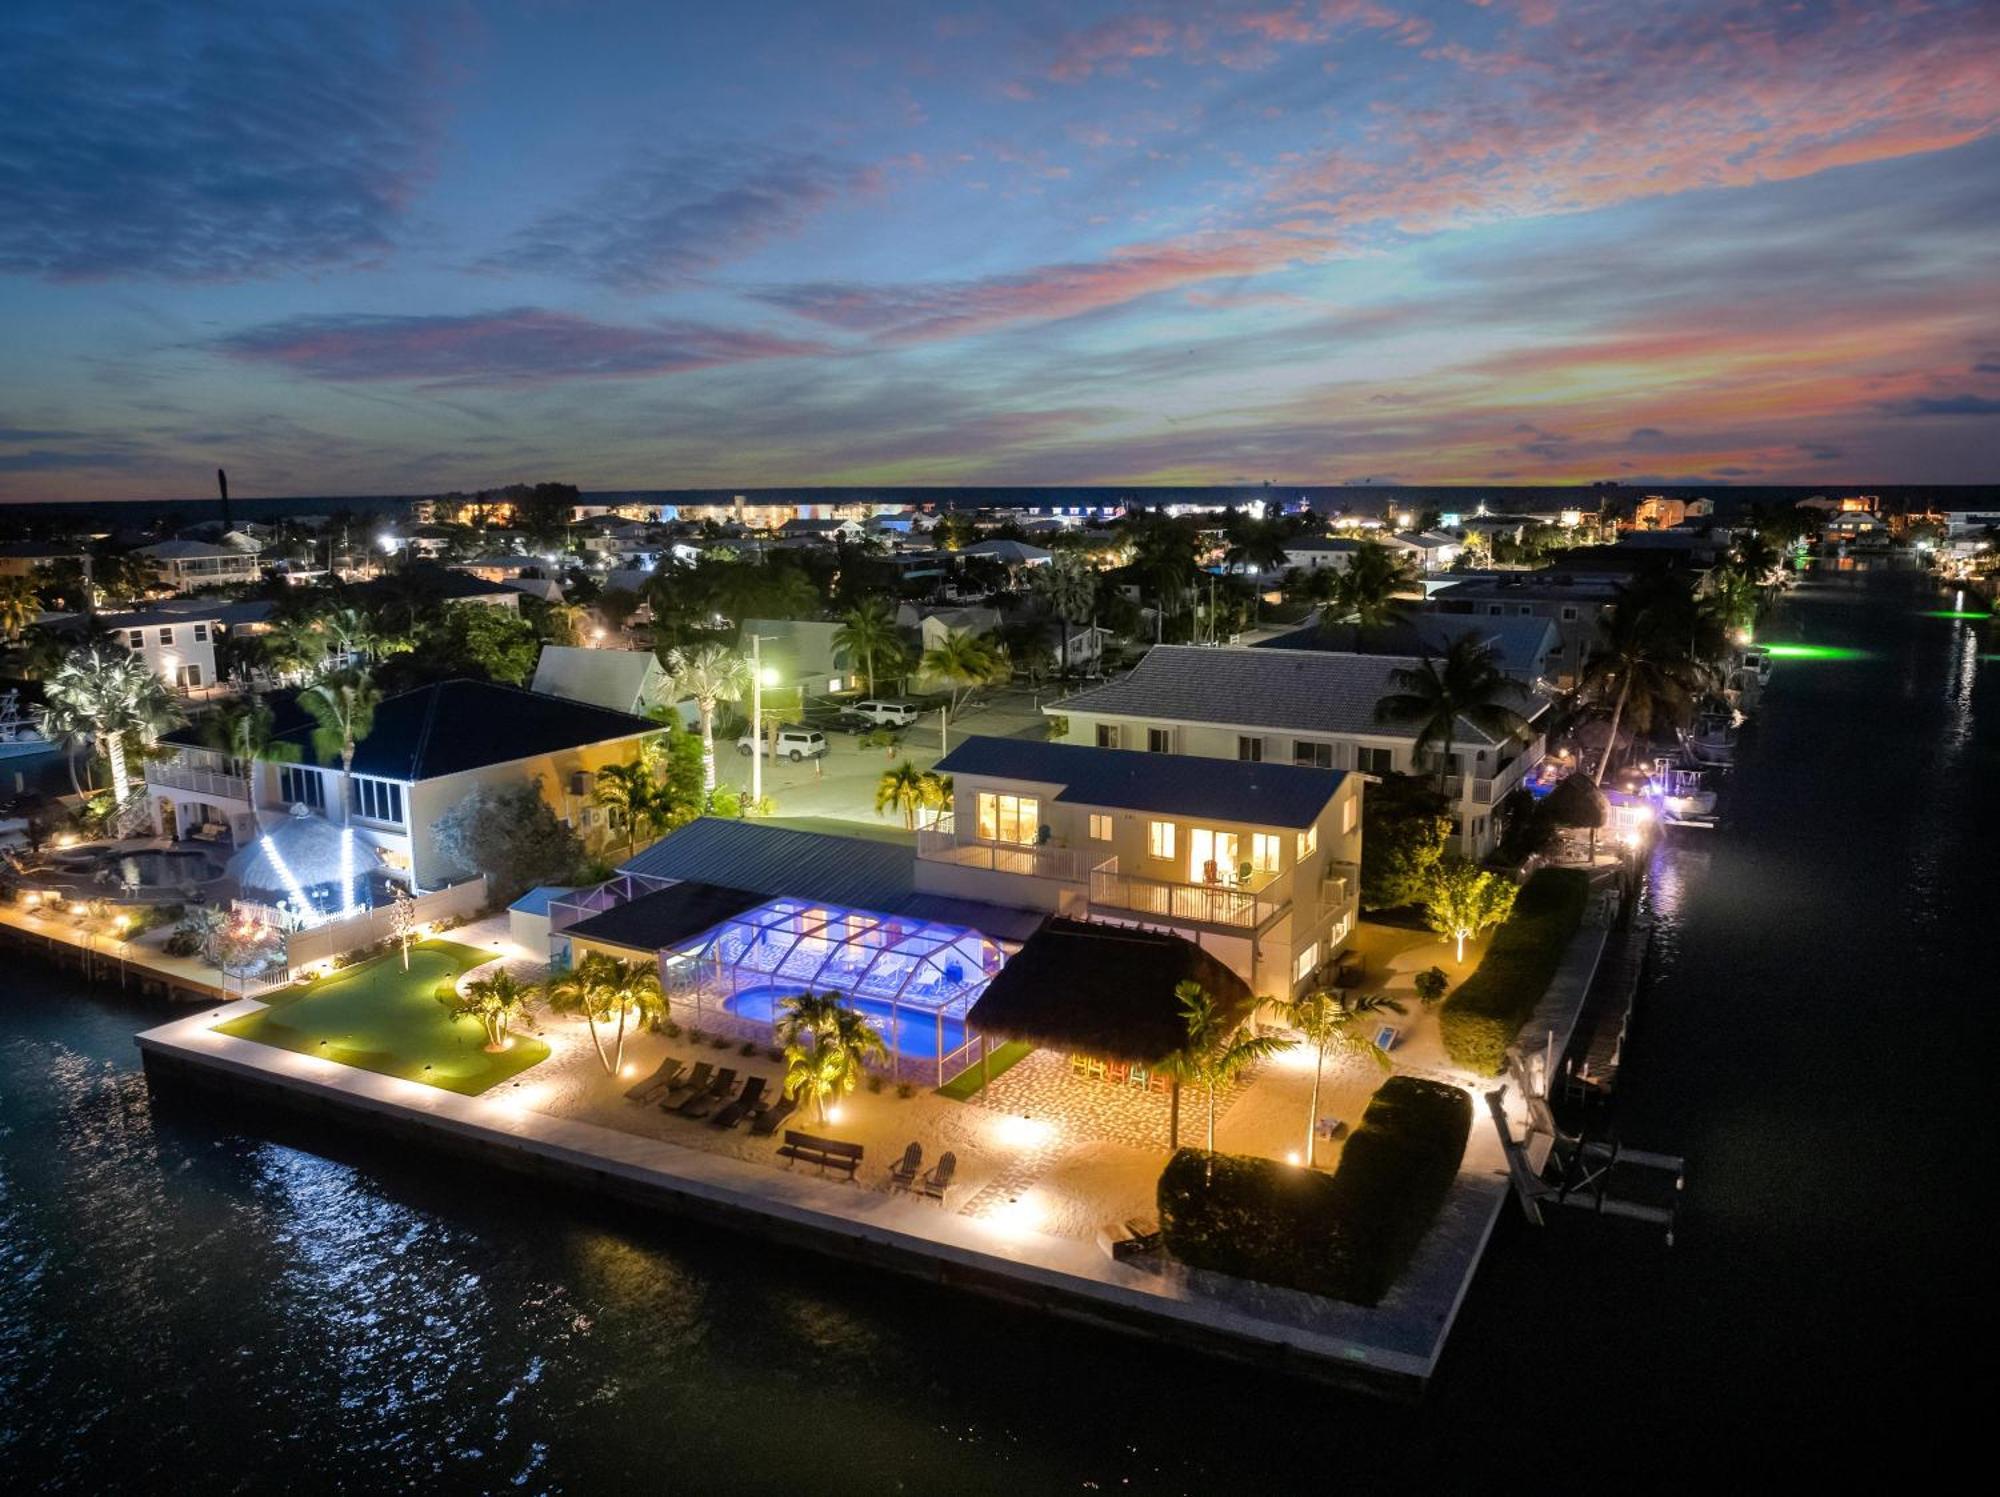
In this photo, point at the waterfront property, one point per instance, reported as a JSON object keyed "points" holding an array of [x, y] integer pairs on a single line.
{"points": [[1298, 707], [182, 566], [426, 751]]}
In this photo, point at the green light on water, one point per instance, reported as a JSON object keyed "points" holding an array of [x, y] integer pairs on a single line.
{"points": [[1813, 652], [1955, 613]]}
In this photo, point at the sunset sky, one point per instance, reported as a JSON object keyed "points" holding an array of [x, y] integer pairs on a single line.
{"points": [[405, 248]]}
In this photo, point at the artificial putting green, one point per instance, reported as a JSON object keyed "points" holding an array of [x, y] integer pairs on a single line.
{"points": [[965, 1085], [379, 1018]]}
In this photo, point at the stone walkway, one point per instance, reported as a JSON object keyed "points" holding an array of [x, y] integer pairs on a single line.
{"points": [[1042, 1086]]}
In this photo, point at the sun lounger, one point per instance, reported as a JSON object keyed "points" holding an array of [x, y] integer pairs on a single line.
{"points": [[938, 1181], [701, 1104], [691, 1085], [903, 1173], [1133, 1238], [659, 1081], [771, 1115], [746, 1103]]}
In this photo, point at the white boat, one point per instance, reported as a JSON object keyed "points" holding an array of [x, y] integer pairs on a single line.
{"points": [[18, 733], [1712, 741], [1685, 799]]}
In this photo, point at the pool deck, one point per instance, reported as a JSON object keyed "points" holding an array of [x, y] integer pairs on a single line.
{"points": [[1392, 1348]]}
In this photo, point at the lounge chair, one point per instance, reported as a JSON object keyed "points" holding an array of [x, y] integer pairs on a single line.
{"points": [[702, 1103], [691, 1085], [659, 1081], [747, 1102], [771, 1115], [938, 1181], [903, 1173]]}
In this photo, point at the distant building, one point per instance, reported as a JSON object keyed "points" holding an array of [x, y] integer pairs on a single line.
{"points": [[623, 680], [184, 566]]}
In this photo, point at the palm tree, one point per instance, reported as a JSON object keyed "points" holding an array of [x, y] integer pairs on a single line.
{"points": [[937, 794], [1643, 647], [901, 789], [711, 675], [1463, 899], [1330, 1020], [828, 1061], [1435, 695], [965, 660], [868, 632], [805, 1014], [628, 792], [606, 991], [1217, 1050], [343, 712], [19, 607], [108, 695], [1373, 592], [495, 1001], [1068, 586]]}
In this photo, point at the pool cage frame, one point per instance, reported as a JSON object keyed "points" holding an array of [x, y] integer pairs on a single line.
{"points": [[924, 972]]}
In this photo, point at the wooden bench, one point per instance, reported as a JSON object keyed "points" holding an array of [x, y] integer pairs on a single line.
{"points": [[827, 1153]]}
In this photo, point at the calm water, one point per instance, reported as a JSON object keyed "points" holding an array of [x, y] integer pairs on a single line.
{"points": [[191, 1300]]}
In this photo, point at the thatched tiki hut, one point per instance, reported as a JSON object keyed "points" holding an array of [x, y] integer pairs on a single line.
{"points": [[1105, 994]]}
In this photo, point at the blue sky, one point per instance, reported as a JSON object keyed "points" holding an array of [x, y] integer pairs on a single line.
{"points": [[399, 248]]}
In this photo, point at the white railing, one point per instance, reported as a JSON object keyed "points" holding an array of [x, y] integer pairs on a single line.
{"points": [[1241, 906], [942, 844], [202, 781]]}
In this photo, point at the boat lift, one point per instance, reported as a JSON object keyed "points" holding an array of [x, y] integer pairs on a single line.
{"points": [[1583, 1165]]}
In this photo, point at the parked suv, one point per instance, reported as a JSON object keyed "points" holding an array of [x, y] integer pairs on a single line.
{"points": [[793, 743], [880, 714]]}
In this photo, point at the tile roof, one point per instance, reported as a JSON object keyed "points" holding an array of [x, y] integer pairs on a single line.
{"points": [[1260, 794], [453, 726], [1302, 691]]}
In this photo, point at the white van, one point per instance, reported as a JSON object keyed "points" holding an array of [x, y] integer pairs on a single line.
{"points": [[882, 714], [793, 743]]}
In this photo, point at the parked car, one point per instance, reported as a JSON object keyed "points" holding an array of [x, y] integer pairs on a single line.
{"points": [[793, 743], [881, 714]]}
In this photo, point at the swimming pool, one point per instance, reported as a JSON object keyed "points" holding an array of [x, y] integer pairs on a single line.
{"points": [[916, 1037]]}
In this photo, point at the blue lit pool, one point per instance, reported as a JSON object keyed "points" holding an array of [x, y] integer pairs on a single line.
{"points": [[918, 1039]]}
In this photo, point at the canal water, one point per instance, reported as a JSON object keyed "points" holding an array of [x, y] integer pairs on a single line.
{"points": [[193, 1301]]}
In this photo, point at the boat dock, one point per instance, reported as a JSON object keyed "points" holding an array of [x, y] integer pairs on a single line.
{"points": [[1590, 1064]]}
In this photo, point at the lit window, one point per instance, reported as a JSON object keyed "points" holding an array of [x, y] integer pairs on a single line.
{"points": [[1350, 813], [1008, 818], [1308, 842], [1308, 960], [1265, 856], [1100, 827], [1160, 838]]}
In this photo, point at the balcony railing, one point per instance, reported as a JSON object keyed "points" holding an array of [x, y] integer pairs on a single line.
{"points": [[943, 844], [178, 776], [1242, 906]]}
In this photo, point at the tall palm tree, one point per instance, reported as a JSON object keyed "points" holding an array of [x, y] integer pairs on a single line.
{"points": [[1068, 585], [1374, 591], [828, 1061], [1217, 1050], [343, 712], [711, 675], [628, 792], [1644, 651], [938, 791], [20, 606], [867, 632], [807, 1013], [109, 695], [1330, 1020], [901, 789], [606, 992], [965, 660], [1435, 695]]}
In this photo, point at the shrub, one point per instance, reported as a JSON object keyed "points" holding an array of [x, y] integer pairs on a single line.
{"points": [[906, 1090], [670, 1029], [1348, 1235], [721, 1042], [875, 1084], [1431, 984], [697, 1037], [747, 1048], [1480, 1020]]}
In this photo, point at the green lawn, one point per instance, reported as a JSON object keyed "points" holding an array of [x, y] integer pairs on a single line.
{"points": [[381, 1018], [965, 1085]]}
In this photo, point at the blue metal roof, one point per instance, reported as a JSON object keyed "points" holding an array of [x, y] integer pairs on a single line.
{"points": [[1259, 794], [536, 900]]}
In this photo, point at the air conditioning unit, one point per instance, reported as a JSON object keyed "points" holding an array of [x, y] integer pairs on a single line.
{"points": [[580, 781]]}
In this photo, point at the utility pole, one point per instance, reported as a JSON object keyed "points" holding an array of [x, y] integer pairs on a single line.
{"points": [[756, 722]]}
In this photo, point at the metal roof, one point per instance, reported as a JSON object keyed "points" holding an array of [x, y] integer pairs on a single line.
{"points": [[772, 860], [1295, 691], [1259, 794]]}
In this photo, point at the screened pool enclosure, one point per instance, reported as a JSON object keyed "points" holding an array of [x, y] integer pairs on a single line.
{"points": [[916, 980]]}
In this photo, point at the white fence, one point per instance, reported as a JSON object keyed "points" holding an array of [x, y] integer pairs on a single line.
{"points": [[317, 943]]}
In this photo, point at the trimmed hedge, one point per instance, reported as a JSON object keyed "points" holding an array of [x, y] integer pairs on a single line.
{"points": [[1347, 1235], [1480, 1020]]}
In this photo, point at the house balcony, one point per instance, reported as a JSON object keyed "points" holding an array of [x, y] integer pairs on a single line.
{"points": [[1244, 906], [177, 774], [943, 843]]}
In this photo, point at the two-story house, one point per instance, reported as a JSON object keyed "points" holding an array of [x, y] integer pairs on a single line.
{"points": [[1257, 863], [1298, 707], [177, 638], [183, 566], [1573, 602], [426, 750]]}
